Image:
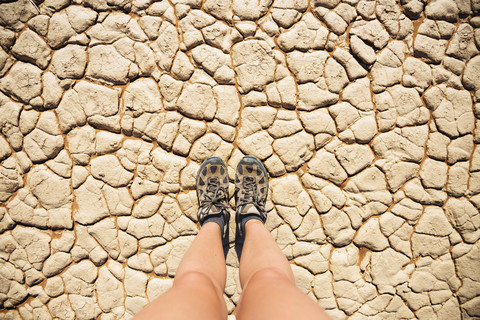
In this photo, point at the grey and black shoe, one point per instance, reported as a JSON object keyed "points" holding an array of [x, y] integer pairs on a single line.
{"points": [[212, 193], [251, 190]]}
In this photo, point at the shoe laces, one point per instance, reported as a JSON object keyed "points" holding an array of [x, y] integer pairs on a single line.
{"points": [[250, 194], [215, 195]]}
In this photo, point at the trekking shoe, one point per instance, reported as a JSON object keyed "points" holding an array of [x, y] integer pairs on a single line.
{"points": [[212, 193], [251, 189]]}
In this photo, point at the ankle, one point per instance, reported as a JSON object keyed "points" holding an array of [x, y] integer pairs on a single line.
{"points": [[213, 221], [253, 223], [249, 220], [207, 224]]}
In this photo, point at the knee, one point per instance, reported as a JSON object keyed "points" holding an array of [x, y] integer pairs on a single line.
{"points": [[201, 285], [199, 280], [268, 275], [195, 278]]}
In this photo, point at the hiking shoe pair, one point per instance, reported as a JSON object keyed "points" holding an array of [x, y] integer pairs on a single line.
{"points": [[251, 188]]}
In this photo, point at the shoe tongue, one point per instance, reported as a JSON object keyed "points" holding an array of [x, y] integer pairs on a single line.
{"points": [[250, 208], [215, 209]]}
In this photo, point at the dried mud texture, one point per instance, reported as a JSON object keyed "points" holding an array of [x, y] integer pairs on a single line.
{"points": [[366, 114]]}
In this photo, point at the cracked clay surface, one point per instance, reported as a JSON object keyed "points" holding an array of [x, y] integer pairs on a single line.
{"points": [[366, 114]]}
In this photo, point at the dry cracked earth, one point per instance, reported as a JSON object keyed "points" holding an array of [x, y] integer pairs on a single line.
{"points": [[364, 112]]}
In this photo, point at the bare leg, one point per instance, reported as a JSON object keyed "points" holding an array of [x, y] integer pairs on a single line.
{"points": [[269, 290], [197, 291]]}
